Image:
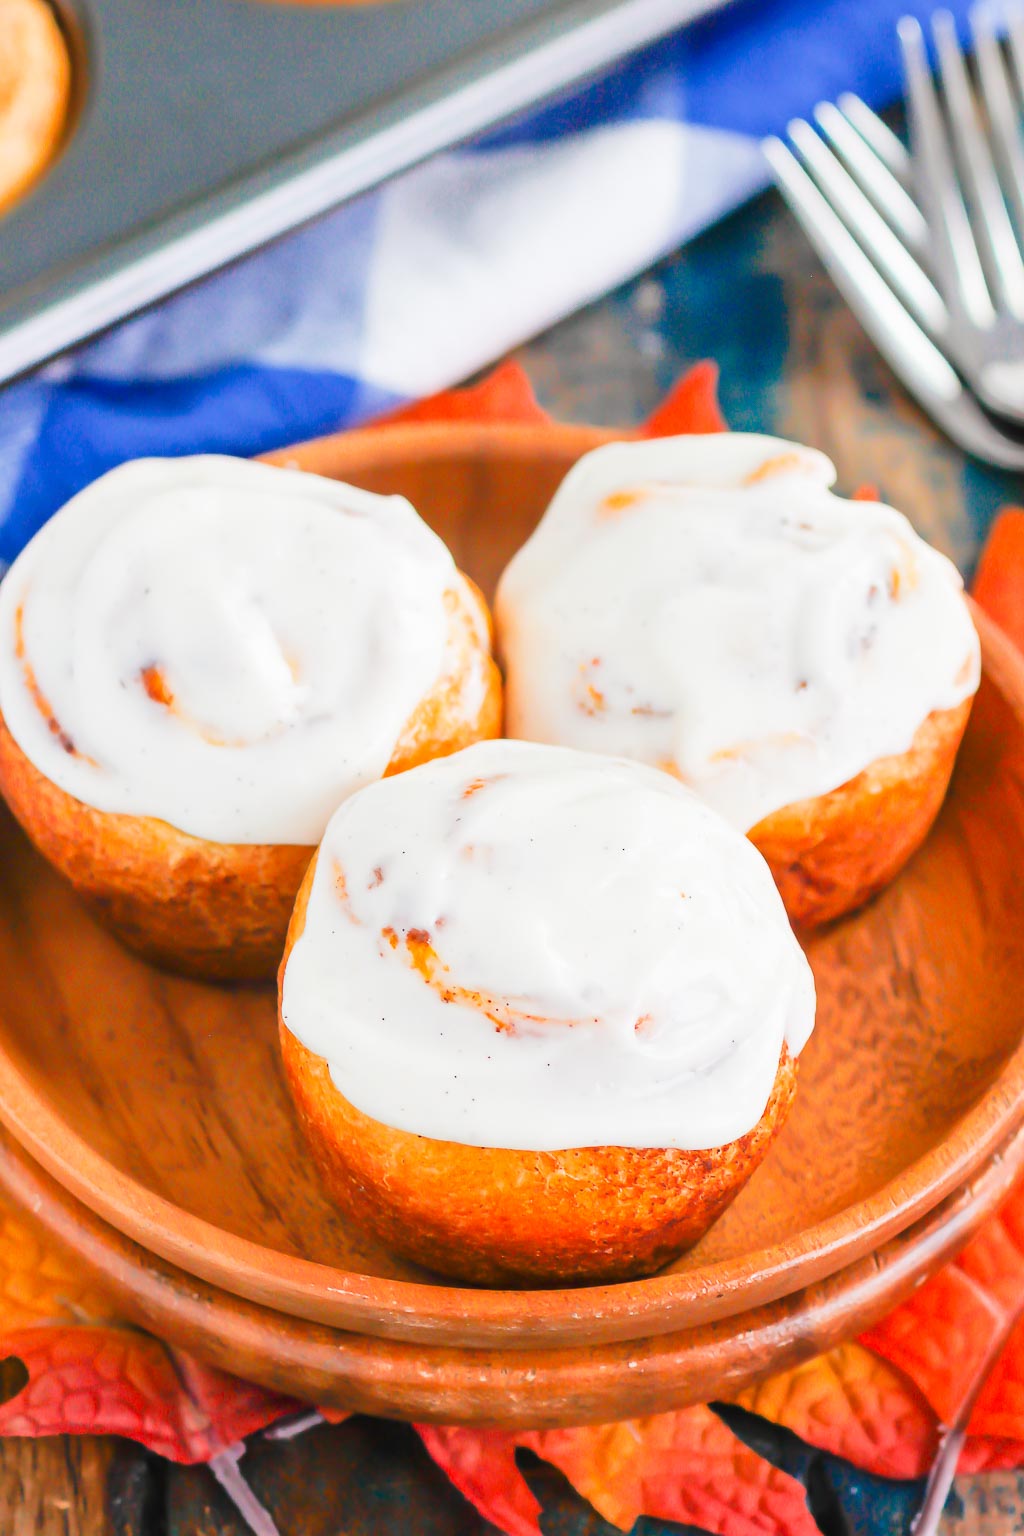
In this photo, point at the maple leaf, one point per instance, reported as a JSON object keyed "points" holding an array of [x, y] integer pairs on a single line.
{"points": [[507, 395], [482, 1465], [89, 1372], [685, 1466], [960, 1338], [854, 1404], [39, 1282], [690, 406], [967, 1316], [93, 1379], [999, 582]]}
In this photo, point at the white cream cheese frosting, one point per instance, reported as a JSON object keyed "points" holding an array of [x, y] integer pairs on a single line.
{"points": [[226, 646], [707, 605], [530, 947]]}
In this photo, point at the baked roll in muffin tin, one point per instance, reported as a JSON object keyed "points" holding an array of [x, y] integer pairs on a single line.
{"points": [[208, 127]]}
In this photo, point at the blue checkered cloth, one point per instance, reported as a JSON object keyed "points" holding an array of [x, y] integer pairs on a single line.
{"points": [[415, 285]]}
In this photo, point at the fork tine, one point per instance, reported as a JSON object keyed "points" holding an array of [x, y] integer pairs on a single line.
{"points": [[1003, 111], [940, 192], [874, 174], [975, 155], [1001, 105], [1014, 16], [908, 351], [889, 149], [875, 235], [896, 334]]}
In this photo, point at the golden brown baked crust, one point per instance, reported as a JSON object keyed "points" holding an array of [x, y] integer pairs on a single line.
{"points": [[497, 1217], [441, 724], [831, 854], [35, 88], [220, 911]]}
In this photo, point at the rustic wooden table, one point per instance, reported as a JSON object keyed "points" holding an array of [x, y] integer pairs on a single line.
{"points": [[794, 361]]}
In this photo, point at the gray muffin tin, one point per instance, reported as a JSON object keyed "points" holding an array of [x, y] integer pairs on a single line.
{"points": [[204, 128]]}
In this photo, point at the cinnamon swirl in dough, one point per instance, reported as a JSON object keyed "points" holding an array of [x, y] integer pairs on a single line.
{"points": [[199, 659], [540, 1013], [805, 663]]}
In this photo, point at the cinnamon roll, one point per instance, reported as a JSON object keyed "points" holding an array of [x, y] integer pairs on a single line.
{"points": [[35, 90], [806, 664], [540, 1013], [199, 659]]}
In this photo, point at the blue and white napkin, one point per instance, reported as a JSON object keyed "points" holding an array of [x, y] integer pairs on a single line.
{"points": [[415, 285]]}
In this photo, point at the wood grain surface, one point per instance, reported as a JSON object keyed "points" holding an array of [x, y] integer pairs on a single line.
{"points": [[55, 1485], [793, 361]]}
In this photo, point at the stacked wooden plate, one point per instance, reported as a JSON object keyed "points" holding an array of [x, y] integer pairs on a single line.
{"points": [[146, 1122]]}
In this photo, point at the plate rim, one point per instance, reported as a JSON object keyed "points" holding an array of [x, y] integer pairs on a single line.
{"points": [[509, 1389]]}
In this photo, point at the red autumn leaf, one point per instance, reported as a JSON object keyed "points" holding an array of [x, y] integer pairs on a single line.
{"points": [[481, 1463], [939, 1337], [999, 583], [506, 394], [998, 1415], [686, 1466], [955, 1327], [982, 1454], [690, 406], [109, 1380], [856, 1405], [90, 1373]]}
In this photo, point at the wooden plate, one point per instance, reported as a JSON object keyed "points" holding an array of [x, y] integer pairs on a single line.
{"points": [[159, 1103], [539, 1388]]}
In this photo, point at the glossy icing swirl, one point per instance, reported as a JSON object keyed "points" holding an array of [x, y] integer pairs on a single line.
{"points": [[229, 647], [707, 605], [528, 947]]}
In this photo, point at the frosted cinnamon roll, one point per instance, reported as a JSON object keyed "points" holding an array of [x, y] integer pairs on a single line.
{"points": [[35, 89], [540, 1013], [806, 664], [199, 659]]}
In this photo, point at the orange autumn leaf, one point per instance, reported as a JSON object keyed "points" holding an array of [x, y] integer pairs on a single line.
{"points": [[40, 1283], [690, 406], [954, 1327], [88, 1372], [506, 394], [686, 1466], [109, 1380], [856, 1405], [999, 582], [939, 1338], [994, 1262]]}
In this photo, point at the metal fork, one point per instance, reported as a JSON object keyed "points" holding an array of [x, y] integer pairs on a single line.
{"points": [[847, 187], [968, 172]]}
